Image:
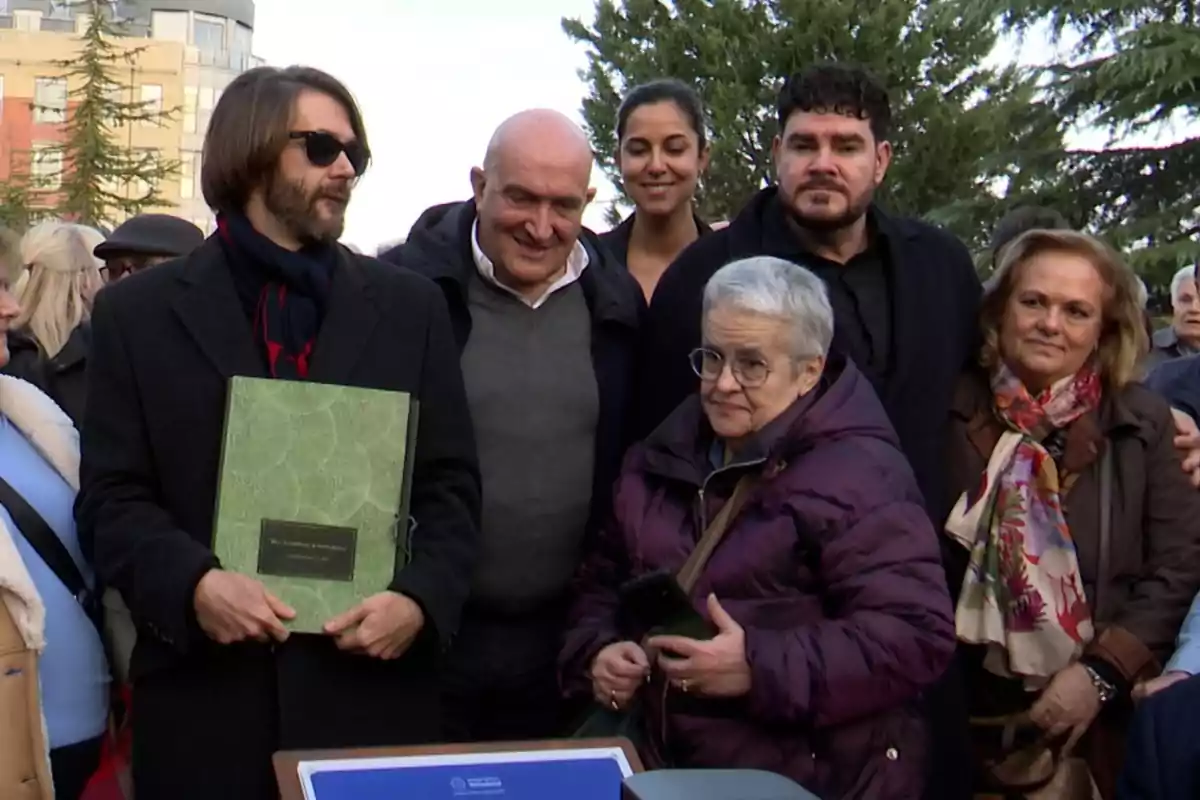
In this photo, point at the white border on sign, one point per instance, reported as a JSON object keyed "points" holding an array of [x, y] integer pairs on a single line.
{"points": [[308, 769]]}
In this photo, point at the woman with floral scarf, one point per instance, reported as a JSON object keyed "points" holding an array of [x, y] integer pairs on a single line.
{"points": [[1072, 548]]}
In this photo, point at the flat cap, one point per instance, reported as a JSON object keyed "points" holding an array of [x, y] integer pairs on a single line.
{"points": [[151, 235]]}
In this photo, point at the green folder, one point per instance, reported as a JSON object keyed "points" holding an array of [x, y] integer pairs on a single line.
{"points": [[313, 494]]}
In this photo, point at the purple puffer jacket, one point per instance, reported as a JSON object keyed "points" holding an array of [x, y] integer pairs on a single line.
{"points": [[832, 568]]}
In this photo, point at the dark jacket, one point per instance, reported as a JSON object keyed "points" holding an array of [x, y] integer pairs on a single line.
{"points": [[1178, 380], [1163, 759], [62, 378], [617, 240], [439, 247], [165, 343], [1139, 590], [935, 294], [1165, 346], [832, 569]]}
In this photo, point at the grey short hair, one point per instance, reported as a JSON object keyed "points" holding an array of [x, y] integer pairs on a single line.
{"points": [[1185, 274], [777, 288]]}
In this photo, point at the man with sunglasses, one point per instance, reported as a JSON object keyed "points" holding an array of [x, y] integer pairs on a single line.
{"points": [[143, 241], [546, 323], [218, 684]]}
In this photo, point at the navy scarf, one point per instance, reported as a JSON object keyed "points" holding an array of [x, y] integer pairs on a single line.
{"points": [[292, 291]]}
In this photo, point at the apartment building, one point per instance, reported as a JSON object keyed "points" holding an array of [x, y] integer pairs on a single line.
{"points": [[188, 51]]}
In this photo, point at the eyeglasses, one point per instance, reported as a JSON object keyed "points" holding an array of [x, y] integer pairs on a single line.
{"points": [[119, 266], [708, 364], [323, 148]]}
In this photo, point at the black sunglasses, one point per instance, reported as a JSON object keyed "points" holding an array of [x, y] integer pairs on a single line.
{"points": [[323, 148]]}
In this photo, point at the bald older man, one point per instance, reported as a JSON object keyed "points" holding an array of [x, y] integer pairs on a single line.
{"points": [[547, 325]]}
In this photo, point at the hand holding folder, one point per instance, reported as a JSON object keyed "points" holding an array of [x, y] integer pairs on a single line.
{"points": [[382, 626]]}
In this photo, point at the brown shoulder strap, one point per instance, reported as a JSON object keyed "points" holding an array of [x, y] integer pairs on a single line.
{"points": [[691, 570]]}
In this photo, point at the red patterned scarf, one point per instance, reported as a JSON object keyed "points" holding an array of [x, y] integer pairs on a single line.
{"points": [[1022, 594]]}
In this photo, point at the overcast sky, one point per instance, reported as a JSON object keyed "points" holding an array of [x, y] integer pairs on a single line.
{"points": [[435, 77]]}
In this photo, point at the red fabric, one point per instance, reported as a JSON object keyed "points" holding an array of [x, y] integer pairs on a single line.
{"points": [[287, 314], [268, 318], [113, 779]]}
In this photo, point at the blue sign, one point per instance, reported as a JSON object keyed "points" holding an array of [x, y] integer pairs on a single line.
{"points": [[527, 775]]}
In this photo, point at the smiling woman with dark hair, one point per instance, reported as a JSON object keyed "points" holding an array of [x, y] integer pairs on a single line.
{"points": [[662, 151]]}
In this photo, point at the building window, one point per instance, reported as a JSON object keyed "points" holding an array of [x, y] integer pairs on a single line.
{"points": [[60, 9], [240, 48], [190, 104], [205, 102], [208, 34], [152, 102], [46, 165], [50, 100], [28, 21], [189, 173], [171, 26]]}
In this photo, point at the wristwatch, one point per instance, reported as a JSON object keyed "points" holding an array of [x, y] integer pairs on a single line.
{"points": [[1105, 689]]}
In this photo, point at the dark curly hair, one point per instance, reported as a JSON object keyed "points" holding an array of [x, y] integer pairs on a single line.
{"points": [[847, 89]]}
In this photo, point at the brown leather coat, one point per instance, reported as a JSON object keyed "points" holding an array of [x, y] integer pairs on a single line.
{"points": [[23, 769], [1142, 583]]}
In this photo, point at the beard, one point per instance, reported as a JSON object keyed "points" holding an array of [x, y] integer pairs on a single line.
{"points": [[856, 209], [297, 209]]}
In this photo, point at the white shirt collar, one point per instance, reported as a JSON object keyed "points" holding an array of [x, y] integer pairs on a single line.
{"points": [[577, 262]]}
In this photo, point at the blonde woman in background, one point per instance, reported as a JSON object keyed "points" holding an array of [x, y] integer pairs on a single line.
{"points": [[51, 337]]}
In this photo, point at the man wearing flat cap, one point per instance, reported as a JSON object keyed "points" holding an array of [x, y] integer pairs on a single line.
{"points": [[146, 240]]}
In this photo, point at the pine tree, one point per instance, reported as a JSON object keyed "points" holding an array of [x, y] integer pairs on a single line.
{"points": [[17, 202], [1134, 71], [964, 132], [96, 167]]}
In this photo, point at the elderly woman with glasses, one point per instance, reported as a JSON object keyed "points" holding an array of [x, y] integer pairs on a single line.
{"points": [[821, 613]]}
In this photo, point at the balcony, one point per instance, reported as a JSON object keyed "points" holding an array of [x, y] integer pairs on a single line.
{"points": [[222, 59], [54, 25]]}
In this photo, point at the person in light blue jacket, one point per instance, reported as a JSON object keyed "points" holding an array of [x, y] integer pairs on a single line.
{"points": [[39, 461], [1184, 664], [1163, 745]]}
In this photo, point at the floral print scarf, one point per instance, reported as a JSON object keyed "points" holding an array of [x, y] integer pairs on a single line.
{"points": [[1023, 595]]}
